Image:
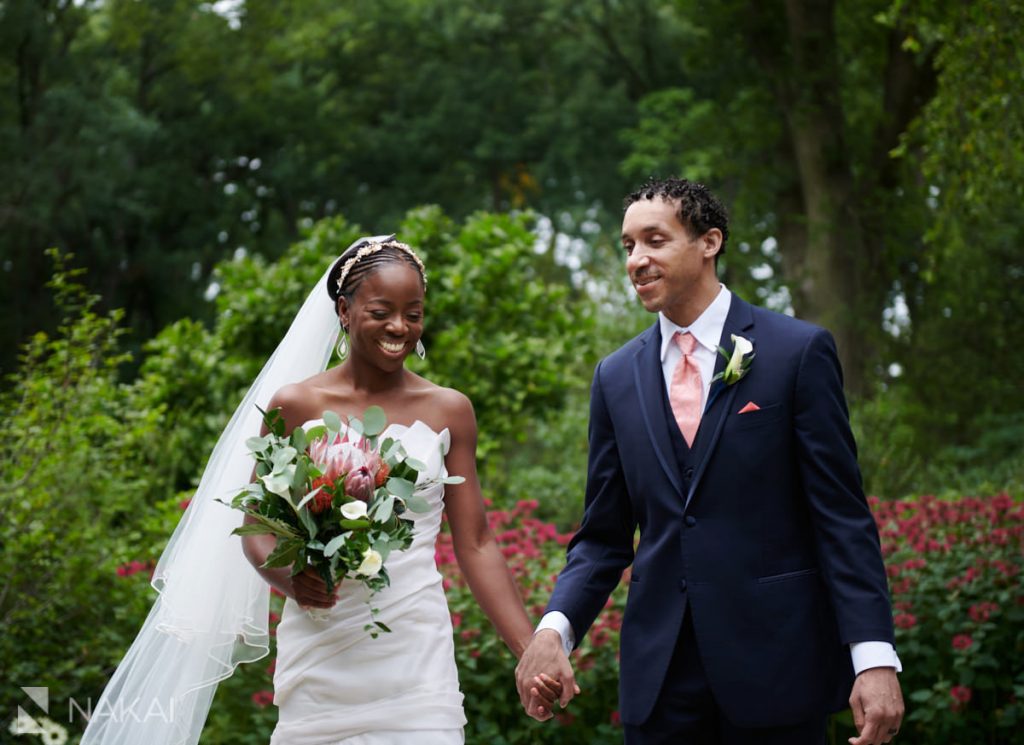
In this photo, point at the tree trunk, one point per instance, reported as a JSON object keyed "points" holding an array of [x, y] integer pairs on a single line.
{"points": [[830, 280]]}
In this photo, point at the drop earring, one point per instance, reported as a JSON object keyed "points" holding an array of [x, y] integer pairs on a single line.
{"points": [[421, 351], [342, 348]]}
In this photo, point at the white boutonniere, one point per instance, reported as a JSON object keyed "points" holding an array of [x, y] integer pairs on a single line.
{"points": [[739, 361]]}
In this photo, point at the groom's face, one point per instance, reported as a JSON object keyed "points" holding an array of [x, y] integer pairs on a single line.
{"points": [[665, 262]]}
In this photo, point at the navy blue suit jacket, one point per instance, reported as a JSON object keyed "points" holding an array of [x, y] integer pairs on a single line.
{"points": [[772, 544]]}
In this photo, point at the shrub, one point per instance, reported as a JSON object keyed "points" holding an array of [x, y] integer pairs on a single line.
{"points": [[535, 552], [954, 567], [79, 501]]}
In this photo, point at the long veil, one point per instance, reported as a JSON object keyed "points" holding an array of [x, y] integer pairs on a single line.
{"points": [[211, 610]]}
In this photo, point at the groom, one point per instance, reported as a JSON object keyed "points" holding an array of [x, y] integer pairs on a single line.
{"points": [[757, 599]]}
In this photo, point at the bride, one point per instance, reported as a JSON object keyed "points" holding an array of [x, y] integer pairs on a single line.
{"points": [[333, 683]]}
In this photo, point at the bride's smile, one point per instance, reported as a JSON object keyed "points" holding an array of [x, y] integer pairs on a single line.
{"points": [[391, 347]]}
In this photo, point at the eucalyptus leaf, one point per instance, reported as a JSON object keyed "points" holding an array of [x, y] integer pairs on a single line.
{"points": [[454, 480], [283, 457], [416, 503], [355, 425], [416, 464], [374, 421], [315, 433], [256, 444], [332, 420], [334, 544], [384, 509], [298, 439], [401, 487]]}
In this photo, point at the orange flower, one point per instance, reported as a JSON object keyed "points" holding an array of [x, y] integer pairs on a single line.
{"points": [[382, 475]]}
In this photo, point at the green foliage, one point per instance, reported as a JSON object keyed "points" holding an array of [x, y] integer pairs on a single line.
{"points": [[504, 323], [898, 455], [79, 501], [966, 298]]}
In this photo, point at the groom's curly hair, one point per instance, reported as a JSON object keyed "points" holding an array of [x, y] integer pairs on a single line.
{"points": [[699, 209]]}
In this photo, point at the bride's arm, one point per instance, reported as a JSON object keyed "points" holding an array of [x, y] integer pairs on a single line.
{"points": [[476, 549], [307, 588]]}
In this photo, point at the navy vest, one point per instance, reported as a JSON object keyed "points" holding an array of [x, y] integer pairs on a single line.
{"points": [[687, 457]]}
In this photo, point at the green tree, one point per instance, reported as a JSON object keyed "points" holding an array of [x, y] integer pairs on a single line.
{"points": [[157, 139], [796, 122]]}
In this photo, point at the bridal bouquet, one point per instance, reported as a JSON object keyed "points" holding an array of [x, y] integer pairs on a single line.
{"points": [[335, 501]]}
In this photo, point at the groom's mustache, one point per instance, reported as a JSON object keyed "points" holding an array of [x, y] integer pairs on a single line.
{"points": [[643, 274]]}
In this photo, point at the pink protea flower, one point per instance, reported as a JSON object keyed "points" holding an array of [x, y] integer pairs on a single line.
{"points": [[338, 457], [359, 484]]}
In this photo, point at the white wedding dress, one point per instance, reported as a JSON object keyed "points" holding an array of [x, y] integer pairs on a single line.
{"points": [[335, 685]]}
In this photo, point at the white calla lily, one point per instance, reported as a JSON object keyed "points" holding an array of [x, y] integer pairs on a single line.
{"points": [[372, 563], [743, 346], [279, 482], [354, 510], [739, 361]]}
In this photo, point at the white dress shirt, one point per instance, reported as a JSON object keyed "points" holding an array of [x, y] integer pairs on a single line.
{"points": [[707, 330]]}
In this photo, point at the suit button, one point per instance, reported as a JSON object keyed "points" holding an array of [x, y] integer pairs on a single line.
{"points": [[690, 521], [682, 585], [688, 473]]}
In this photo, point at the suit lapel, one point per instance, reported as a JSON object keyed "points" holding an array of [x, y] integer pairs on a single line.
{"points": [[739, 321], [649, 381]]}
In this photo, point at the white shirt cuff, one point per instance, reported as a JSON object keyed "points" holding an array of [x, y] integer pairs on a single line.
{"points": [[557, 620], [867, 655]]}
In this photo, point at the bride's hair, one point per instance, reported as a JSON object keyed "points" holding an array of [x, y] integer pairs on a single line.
{"points": [[362, 259]]}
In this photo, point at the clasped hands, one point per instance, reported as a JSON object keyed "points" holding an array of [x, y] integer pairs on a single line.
{"points": [[544, 676]]}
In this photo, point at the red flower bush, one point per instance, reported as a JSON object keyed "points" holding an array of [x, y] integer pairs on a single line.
{"points": [[961, 696], [535, 553], [263, 698], [962, 641], [958, 605]]}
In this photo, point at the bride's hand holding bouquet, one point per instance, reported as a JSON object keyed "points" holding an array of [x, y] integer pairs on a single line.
{"points": [[335, 497]]}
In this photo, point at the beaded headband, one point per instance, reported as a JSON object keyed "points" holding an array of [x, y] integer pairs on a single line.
{"points": [[373, 247]]}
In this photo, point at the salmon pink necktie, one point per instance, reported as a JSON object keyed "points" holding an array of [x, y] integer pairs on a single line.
{"points": [[686, 389]]}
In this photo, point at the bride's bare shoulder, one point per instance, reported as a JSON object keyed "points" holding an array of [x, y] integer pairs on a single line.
{"points": [[453, 405], [300, 402]]}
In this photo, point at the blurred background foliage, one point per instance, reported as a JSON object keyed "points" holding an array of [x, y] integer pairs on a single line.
{"points": [[197, 165]]}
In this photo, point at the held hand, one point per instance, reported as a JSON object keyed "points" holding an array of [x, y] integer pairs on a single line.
{"points": [[877, 705], [544, 692], [310, 590], [544, 661]]}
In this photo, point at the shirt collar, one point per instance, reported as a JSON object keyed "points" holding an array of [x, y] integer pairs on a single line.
{"points": [[707, 329]]}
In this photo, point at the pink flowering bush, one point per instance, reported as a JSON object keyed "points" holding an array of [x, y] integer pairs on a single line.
{"points": [[955, 569], [535, 552]]}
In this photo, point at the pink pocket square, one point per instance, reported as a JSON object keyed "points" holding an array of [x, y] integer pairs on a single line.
{"points": [[751, 406]]}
